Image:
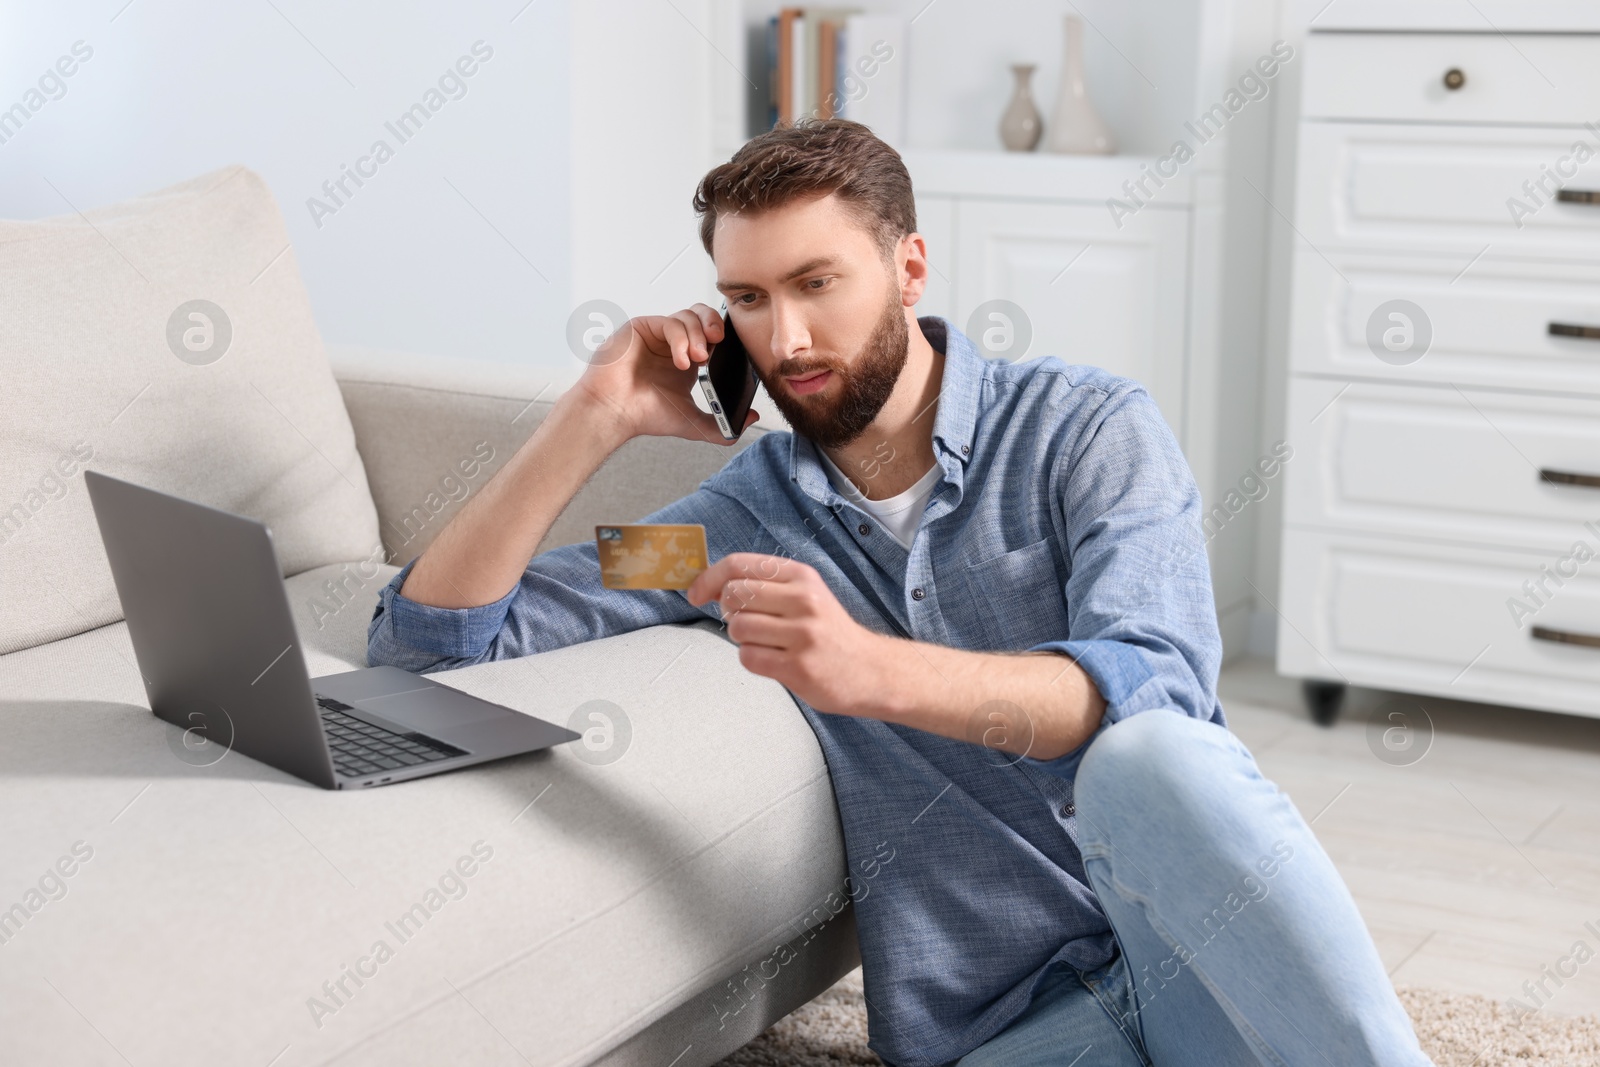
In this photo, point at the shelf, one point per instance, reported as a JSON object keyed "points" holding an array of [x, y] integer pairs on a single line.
{"points": [[1039, 176]]}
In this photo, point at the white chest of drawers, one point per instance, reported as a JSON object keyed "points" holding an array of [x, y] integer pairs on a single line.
{"points": [[1442, 510]]}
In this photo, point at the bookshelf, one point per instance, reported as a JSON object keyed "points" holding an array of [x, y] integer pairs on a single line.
{"points": [[1143, 65]]}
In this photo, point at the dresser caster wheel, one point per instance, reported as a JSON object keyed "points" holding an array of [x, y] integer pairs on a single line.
{"points": [[1324, 699]]}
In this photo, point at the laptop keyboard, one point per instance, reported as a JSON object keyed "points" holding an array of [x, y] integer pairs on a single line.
{"points": [[360, 748]]}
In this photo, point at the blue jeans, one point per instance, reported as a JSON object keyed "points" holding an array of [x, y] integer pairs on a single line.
{"points": [[1240, 944]]}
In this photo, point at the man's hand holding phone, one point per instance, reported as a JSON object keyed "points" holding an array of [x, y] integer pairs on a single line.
{"points": [[645, 373]]}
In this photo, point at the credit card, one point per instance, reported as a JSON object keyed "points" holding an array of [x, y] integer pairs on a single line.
{"points": [[648, 555]]}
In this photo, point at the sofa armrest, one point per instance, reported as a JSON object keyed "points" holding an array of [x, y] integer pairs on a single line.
{"points": [[432, 431]]}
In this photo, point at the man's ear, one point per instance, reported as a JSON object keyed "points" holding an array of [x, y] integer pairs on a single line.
{"points": [[911, 262]]}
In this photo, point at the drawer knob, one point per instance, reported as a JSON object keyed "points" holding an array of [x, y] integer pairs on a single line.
{"points": [[1568, 329], [1565, 637], [1554, 477], [1578, 196], [1454, 79]]}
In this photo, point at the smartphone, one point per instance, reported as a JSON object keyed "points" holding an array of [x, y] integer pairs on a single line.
{"points": [[728, 381]]}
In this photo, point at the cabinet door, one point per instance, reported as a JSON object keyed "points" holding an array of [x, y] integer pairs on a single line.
{"points": [[1092, 293]]}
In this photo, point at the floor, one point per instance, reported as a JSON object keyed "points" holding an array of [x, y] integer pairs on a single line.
{"points": [[1454, 1029], [1473, 853]]}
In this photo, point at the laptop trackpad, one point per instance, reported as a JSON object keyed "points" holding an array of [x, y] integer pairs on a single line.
{"points": [[432, 709]]}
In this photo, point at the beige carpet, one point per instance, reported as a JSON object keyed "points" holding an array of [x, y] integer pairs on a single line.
{"points": [[1456, 1029]]}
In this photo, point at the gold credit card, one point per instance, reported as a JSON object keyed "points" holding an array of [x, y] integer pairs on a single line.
{"points": [[647, 555]]}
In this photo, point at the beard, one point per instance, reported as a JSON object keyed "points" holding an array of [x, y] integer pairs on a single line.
{"points": [[846, 406]]}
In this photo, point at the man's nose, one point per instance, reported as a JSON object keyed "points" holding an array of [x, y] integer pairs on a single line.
{"points": [[790, 337]]}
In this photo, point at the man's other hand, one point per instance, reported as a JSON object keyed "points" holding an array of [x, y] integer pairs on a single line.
{"points": [[790, 627]]}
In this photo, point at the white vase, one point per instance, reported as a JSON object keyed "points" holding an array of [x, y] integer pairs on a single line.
{"points": [[1076, 127]]}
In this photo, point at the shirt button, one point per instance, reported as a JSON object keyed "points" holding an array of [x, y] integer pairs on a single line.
{"points": [[1068, 810], [966, 451], [864, 529], [917, 594]]}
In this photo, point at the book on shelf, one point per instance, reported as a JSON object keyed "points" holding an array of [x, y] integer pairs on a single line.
{"points": [[831, 61]]}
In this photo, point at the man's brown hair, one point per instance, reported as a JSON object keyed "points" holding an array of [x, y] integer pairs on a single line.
{"points": [[807, 159]]}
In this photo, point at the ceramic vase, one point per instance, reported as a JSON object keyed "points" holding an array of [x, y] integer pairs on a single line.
{"points": [[1021, 126], [1076, 127]]}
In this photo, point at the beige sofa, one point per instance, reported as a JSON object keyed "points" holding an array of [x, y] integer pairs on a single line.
{"points": [[163, 904]]}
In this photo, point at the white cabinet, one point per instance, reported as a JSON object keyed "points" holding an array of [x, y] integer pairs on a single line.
{"points": [[1110, 298], [1035, 230], [1442, 515]]}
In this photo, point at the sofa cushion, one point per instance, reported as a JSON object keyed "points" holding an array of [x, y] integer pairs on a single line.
{"points": [[167, 340], [629, 908]]}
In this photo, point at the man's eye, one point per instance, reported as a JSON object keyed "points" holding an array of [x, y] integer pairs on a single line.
{"points": [[817, 283]]}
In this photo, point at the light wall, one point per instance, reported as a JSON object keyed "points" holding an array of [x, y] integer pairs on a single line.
{"points": [[641, 141], [439, 252]]}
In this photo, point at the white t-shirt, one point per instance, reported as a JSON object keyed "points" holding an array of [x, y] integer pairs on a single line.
{"points": [[898, 514]]}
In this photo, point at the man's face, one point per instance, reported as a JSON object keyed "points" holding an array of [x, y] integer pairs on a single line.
{"points": [[819, 311]]}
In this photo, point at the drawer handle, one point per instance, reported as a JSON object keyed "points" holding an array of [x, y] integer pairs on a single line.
{"points": [[1567, 329], [1565, 637], [1578, 196], [1589, 481], [1454, 79]]}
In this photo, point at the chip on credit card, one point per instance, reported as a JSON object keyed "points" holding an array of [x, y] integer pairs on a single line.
{"points": [[649, 555]]}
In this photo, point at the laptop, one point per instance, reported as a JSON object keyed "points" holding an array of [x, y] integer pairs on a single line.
{"points": [[209, 618]]}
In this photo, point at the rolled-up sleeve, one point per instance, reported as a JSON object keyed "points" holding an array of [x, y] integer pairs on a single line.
{"points": [[1142, 620], [558, 601]]}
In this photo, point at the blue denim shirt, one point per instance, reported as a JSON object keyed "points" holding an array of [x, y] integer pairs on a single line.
{"points": [[1066, 520]]}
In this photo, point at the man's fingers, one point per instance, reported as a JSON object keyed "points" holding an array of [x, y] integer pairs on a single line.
{"points": [[710, 322], [695, 332], [686, 336], [669, 335], [758, 594], [708, 584], [676, 334], [770, 631], [758, 565]]}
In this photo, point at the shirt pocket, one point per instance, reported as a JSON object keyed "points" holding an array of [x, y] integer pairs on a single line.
{"points": [[1016, 597]]}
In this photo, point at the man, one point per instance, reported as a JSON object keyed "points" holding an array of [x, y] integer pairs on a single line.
{"points": [[985, 584]]}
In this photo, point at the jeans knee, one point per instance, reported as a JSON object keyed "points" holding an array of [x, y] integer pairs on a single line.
{"points": [[1142, 758]]}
